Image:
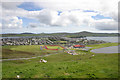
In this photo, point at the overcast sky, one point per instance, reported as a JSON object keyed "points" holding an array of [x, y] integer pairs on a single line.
{"points": [[51, 16]]}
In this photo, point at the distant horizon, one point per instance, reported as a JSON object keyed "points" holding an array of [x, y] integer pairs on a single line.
{"points": [[57, 32]]}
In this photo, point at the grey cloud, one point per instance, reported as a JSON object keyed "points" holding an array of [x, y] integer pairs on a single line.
{"points": [[10, 5], [110, 25], [33, 25]]}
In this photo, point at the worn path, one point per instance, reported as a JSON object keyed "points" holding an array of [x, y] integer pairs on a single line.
{"points": [[24, 58]]}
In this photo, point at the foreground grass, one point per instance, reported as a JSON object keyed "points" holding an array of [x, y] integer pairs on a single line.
{"points": [[63, 65]]}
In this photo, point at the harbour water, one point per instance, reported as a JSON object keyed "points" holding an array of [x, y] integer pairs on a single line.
{"points": [[111, 49]]}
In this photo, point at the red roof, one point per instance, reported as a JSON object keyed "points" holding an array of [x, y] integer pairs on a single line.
{"points": [[78, 46]]}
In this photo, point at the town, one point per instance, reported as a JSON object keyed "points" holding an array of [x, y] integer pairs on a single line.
{"points": [[48, 40]]}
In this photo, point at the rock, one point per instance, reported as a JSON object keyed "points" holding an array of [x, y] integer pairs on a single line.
{"points": [[42, 60]]}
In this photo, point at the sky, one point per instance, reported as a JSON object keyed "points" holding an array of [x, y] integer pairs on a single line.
{"points": [[52, 16]]}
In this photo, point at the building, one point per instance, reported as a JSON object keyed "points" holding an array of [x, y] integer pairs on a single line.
{"points": [[79, 46]]}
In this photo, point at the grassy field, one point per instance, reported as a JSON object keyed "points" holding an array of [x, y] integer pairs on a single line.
{"points": [[62, 65], [24, 51], [63, 41], [95, 46], [54, 47]]}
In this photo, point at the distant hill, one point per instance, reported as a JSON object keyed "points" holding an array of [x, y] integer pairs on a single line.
{"points": [[74, 35], [87, 34], [27, 33], [84, 32]]}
